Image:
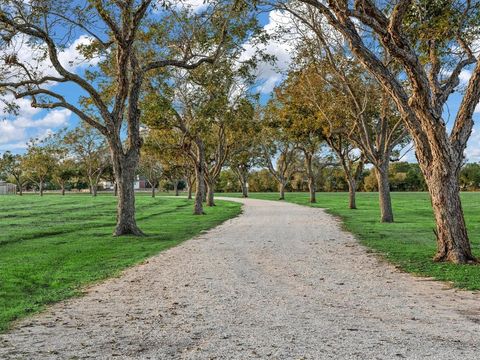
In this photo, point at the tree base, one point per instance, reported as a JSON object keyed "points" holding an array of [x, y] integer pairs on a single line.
{"points": [[455, 258], [133, 230]]}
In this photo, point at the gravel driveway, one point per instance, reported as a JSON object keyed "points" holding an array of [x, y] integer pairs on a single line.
{"points": [[281, 281]]}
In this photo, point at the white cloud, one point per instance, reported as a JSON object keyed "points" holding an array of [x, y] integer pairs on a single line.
{"points": [[270, 75], [195, 6], [16, 131]]}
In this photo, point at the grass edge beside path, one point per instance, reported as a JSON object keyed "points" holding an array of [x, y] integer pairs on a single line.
{"points": [[409, 243], [53, 248]]}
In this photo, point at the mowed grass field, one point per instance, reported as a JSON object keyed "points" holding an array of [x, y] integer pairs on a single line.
{"points": [[51, 247], [408, 243]]}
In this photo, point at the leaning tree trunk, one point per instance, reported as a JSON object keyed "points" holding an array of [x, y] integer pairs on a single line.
{"points": [[210, 193], [384, 198], [115, 189], [453, 244], [124, 168]]}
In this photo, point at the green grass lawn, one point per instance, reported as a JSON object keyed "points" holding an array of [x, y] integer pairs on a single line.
{"points": [[52, 246], [409, 243]]}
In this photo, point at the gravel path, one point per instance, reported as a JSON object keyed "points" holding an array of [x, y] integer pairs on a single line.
{"points": [[281, 281]]}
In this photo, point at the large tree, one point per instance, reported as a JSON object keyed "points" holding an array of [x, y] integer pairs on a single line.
{"points": [[129, 40], [432, 43]]}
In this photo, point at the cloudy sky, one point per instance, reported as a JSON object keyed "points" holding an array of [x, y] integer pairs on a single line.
{"points": [[30, 122]]}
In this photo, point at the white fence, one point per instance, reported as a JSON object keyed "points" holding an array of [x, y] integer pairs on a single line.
{"points": [[7, 189]]}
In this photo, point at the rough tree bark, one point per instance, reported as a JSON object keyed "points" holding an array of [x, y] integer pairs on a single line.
{"points": [[124, 166], [445, 195]]}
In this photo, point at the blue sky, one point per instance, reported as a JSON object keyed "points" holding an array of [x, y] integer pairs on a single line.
{"points": [[15, 131]]}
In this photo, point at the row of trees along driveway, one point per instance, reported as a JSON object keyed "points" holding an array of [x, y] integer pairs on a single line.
{"points": [[367, 76]]}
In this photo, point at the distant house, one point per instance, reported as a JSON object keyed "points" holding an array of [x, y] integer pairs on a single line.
{"points": [[7, 188], [139, 184]]}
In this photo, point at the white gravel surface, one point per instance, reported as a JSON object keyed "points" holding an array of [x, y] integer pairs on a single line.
{"points": [[281, 281]]}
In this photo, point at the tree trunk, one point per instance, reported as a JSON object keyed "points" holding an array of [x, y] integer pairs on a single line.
{"points": [[311, 178], [63, 189], [115, 189], [94, 190], [153, 191], [190, 185], [244, 189], [124, 169], [210, 194], [20, 190], [41, 188], [243, 177], [200, 178], [175, 187], [453, 244], [311, 189], [204, 195], [384, 193], [282, 191], [352, 189]]}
